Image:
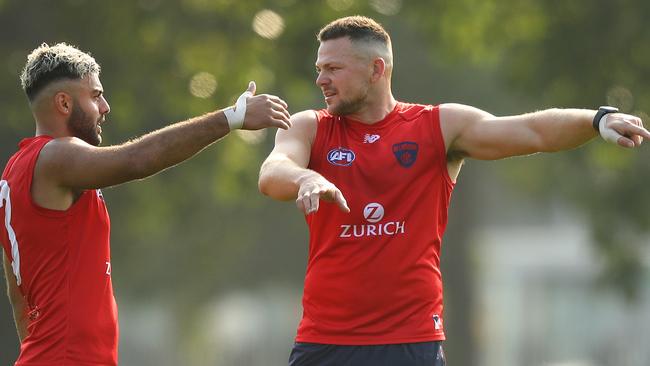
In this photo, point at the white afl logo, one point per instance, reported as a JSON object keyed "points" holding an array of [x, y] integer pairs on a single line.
{"points": [[373, 212], [341, 156]]}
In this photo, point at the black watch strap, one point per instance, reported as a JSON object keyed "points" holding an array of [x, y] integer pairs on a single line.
{"points": [[603, 110]]}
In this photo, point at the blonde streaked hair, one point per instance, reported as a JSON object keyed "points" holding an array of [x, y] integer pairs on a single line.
{"points": [[47, 64]]}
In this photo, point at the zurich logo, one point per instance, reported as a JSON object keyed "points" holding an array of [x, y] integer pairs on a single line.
{"points": [[373, 212], [341, 156]]}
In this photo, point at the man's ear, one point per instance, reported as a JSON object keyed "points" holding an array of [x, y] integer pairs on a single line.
{"points": [[378, 69], [63, 103]]}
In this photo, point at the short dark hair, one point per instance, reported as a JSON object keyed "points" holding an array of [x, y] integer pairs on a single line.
{"points": [[356, 27], [47, 64]]}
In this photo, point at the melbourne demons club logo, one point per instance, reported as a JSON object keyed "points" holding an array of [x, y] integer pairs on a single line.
{"points": [[406, 153], [341, 156]]}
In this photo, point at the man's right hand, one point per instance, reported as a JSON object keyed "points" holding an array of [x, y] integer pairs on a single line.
{"points": [[264, 111], [315, 188]]}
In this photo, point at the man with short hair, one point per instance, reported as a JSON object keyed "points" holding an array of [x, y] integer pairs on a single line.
{"points": [[54, 226], [374, 178]]}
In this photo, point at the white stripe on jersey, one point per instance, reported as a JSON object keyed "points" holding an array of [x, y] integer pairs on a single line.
{"points": [[4, 197]]}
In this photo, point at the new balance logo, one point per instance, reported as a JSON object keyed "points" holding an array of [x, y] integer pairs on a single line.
{"points": [[369, 139]]}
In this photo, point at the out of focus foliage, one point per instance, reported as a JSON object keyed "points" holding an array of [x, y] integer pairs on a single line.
{"points": [[568, 54]]}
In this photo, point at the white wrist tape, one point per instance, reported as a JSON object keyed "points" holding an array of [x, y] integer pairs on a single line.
{"points": [[607, 133], [235, 115]]}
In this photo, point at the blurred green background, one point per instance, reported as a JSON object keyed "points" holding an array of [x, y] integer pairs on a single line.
{"points": [[546, 259]]}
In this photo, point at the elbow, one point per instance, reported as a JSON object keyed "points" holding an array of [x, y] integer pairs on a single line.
{"points": [[264, 182], [264, 189], [272, 185], [263, 186]]}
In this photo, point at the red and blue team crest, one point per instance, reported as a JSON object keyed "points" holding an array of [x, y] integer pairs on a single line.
{"points": [[406, 153], [341, 156]]}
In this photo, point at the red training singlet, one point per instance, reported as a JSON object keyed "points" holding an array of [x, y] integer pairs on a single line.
{"points": [[373, 275], [62, 261]]}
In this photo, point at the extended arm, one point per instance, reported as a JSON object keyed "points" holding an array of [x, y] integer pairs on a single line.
{"points": [[70, 163], [16, 299], [470, 132], [284, 174]]}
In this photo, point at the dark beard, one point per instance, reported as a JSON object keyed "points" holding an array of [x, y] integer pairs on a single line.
{"points": [[83, 127], [346, 107]]}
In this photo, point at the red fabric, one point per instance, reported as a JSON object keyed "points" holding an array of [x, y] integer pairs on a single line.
{"points": [[374, 279], [64, 261]]}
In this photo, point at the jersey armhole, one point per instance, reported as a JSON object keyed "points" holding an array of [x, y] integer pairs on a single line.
{"points": [[47, 211], [317, 143], [440, 144]]}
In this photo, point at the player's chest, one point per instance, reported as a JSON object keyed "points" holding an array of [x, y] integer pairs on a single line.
{"points": [[384, 158]]}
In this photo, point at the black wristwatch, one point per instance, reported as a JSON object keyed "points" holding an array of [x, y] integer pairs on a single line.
{"points": [[601, 112]]}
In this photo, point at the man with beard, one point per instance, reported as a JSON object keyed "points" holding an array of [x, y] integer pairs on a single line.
{"points": [[385, 171], [54, 224]]}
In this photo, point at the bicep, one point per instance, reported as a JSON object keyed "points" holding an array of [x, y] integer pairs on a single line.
{"points": [[287, 163], [477, 134], [72, 163], [294, 144]]}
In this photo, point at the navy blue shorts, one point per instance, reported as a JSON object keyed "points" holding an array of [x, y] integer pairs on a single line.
{"points": [[407, 354]]}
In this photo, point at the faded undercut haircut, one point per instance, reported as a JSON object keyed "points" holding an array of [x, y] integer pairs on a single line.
{"points": [[360, 29], [47, 64]]}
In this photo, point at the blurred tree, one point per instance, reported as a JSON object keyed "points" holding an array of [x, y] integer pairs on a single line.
{"points": [[567, 54]]}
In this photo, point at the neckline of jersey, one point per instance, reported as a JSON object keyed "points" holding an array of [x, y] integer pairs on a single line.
{"points": [[388, 119], [27, 140]]}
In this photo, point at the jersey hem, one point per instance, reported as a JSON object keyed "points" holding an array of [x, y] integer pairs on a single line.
{"points": [[63, 364], [368, 342]]}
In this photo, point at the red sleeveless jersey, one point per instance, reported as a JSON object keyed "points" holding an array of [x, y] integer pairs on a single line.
{"points": [[373, 275], [61, 260]]}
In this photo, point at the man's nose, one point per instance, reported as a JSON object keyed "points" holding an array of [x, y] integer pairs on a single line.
{"points": [[321, 79], [106, 109]]}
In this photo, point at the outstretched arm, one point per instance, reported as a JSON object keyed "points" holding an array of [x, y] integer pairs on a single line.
{"points": [[70, 163], [284, 174], [471, 132], [18, 304]]}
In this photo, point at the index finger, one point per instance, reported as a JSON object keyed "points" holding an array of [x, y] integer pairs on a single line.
{"points": [[341, 202], [281, 108], [275, 99], [636, 130]]}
